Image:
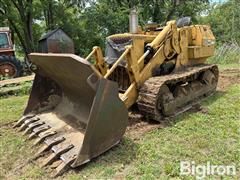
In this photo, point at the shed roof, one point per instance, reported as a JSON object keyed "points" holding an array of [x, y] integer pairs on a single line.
{"points": [[50, 33]]}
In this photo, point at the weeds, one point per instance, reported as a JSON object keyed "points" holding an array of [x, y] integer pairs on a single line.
{"points": [[17, 90], [228, 53]]}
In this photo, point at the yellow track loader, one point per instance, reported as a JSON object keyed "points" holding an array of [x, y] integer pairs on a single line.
{"points": [[79, 109]]}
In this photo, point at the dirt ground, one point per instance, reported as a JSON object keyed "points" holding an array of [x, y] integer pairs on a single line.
{"points": [[228, 77], [139, 126]]}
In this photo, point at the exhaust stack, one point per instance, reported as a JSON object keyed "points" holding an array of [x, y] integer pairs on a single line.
{"points": [[133, 21]]}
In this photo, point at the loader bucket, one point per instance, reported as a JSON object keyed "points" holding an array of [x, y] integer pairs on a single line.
{"points": [[76, 114]]}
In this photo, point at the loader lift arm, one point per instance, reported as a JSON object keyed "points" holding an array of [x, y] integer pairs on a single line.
{"points": [[165, 44]]}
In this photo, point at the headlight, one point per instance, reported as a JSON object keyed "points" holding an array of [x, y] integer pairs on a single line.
{"points": [[208, 42]]}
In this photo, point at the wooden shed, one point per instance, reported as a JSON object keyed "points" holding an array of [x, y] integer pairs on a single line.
{"points": [[56, 41]]}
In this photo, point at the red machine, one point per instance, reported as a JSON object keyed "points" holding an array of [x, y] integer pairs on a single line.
{"points": [[9, 65]]}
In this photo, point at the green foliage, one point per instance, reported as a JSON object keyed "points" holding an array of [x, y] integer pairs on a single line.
{"points": [[99, 21], [21, 17], [224, 20], [87, 22], [17, 90], [103, 18], [164, 10], [3, 77], [228, 53]]}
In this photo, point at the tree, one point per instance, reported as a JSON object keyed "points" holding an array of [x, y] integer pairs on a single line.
{"points": [[160, 11], [88, 22], [20, 18], [224, 20], [25, 18]]}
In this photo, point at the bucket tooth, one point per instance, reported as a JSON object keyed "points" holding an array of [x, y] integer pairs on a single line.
{"points": [[63, 167], [34, 119], [32, 126], [57, 153], [43, 136], [40, 152], [67, 160], [38, 130], [27, 122], [22, 119], [60, 149], [55, 164], [22, 127], [49, 144]]}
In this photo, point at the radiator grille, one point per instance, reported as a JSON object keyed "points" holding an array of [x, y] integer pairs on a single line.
{"points": [[121, 76]]}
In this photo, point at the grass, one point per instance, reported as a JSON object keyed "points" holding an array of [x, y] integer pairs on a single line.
{"points": [[11, 108], [211, 135], [229, 66], [195, 137], [15, 89], [227, 53]]}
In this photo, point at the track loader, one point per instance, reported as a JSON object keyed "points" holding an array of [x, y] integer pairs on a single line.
{"points": [[78, 107]]}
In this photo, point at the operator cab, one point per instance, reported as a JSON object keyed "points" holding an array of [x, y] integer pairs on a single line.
{"points": [[4, 41]]}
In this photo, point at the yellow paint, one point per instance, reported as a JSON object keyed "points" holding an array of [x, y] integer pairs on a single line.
{"points": [[183, 46]]}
